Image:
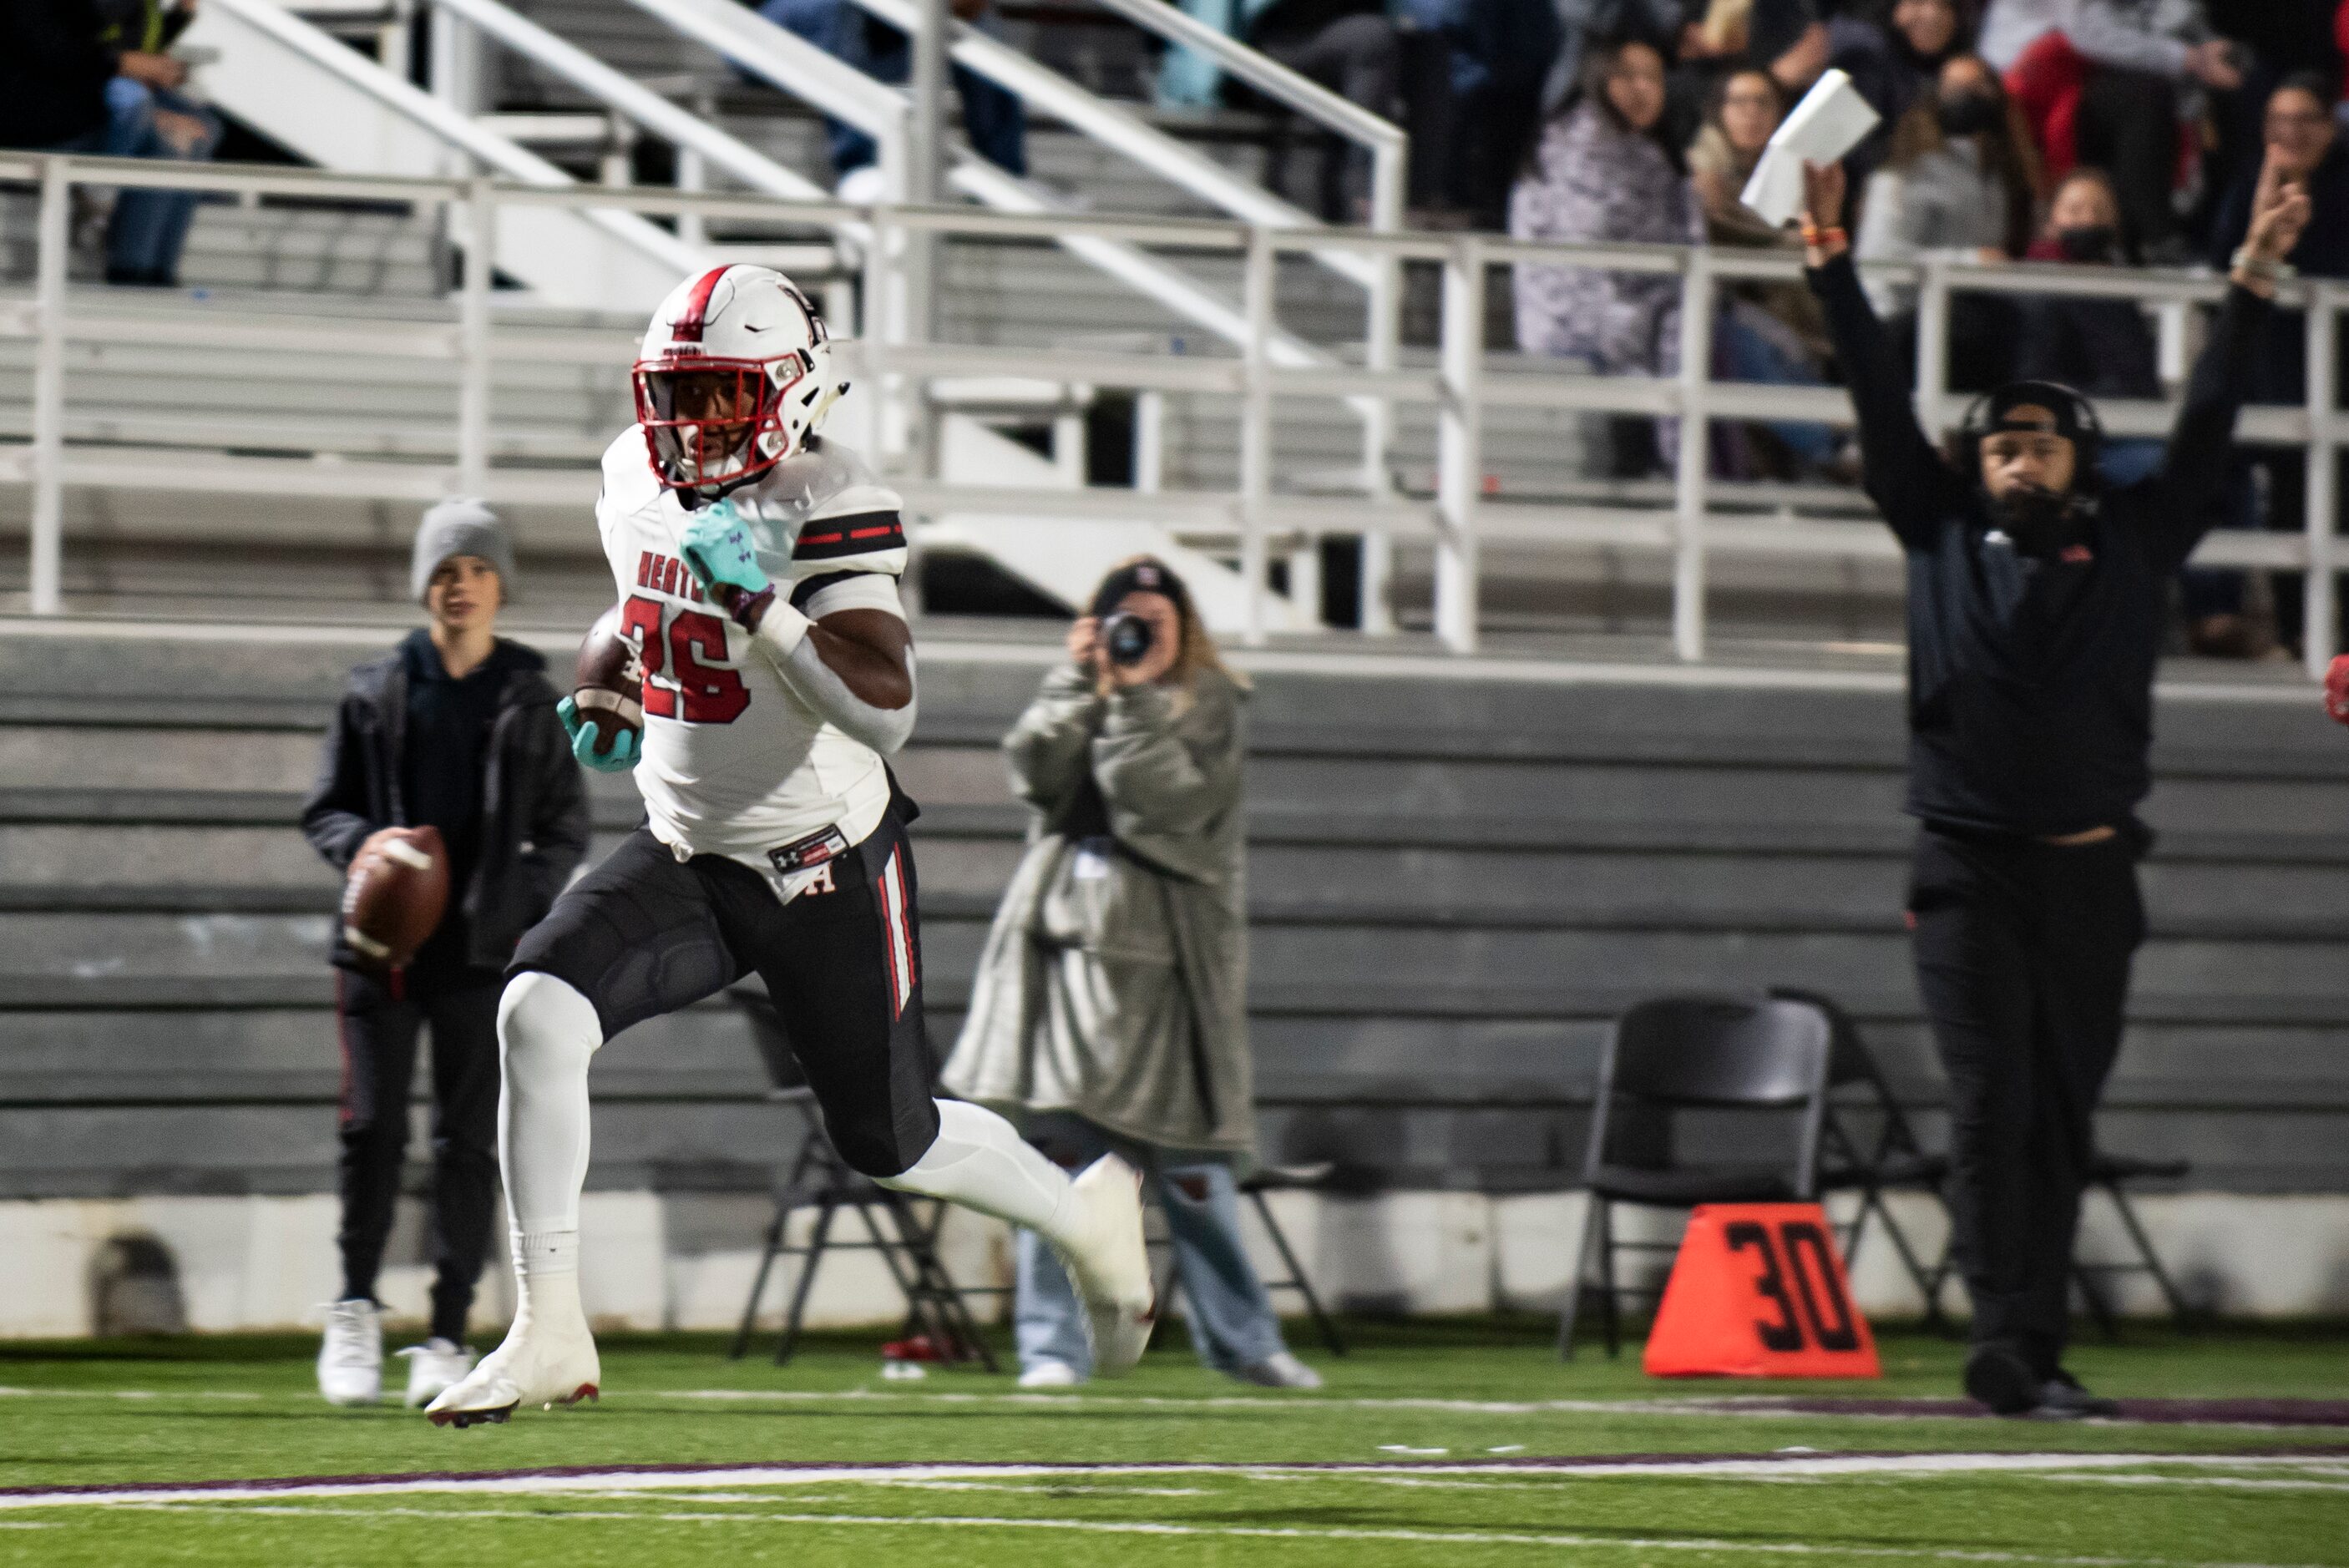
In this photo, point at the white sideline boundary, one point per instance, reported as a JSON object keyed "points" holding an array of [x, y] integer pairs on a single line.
{"points": [[1360, 664], [688, 1477]]}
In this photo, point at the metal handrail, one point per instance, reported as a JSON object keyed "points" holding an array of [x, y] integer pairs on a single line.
{"points": [[1457, 522], [488, 149], [1261, 71], [636, 102]]}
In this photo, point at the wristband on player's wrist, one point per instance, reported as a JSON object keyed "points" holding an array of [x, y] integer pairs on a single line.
{"points": [[782, 628], [749, 609]]}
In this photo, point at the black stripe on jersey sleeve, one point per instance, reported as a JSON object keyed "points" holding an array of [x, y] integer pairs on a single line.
{"points": [[836, 538], [803, 592]]}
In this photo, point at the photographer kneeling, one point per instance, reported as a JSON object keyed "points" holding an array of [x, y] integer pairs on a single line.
{"points": [[1110, 1010]]}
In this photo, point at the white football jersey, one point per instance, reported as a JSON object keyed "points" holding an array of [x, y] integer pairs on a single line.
{"points": [[734, 763]]}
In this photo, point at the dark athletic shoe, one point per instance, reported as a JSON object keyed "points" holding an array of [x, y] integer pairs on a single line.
{"points": [[1997, 1376], [2061, 1398]]}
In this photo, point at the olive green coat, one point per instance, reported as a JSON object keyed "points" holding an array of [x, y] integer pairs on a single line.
{"points": [[1116, 986]]}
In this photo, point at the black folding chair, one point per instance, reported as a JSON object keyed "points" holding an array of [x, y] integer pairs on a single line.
{"points": [[2111, 1173], [1868, 1146], [1677, 1053], [903, 1230]]}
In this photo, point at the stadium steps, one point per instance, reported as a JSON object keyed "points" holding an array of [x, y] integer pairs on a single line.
{"points": [[1453, 885]]}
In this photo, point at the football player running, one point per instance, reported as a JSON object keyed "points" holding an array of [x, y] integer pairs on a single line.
{"points": [[757, 564]]}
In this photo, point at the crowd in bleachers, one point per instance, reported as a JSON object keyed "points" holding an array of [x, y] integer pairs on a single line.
{"points": [[2086, 131]]}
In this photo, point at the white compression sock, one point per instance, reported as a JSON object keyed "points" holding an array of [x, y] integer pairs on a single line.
{"points": [[981, 1162], [547, 1033]]}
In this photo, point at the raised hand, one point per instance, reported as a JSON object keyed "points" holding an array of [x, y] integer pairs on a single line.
{"points": [[2280, 209]]}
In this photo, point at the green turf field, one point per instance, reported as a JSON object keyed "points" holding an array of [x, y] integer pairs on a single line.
{"points": [[1425, 1448]]}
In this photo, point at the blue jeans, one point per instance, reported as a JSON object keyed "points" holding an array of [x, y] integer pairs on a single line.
{"points": [[149, 228], [1229, 1314], [1751, 354], [992, 117]]}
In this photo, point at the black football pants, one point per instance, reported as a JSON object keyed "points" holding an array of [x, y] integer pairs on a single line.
{"points": [[379, 1022], [2023, 957], [646, 933]]}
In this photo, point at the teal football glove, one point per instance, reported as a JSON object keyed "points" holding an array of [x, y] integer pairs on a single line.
{"points": [[717, 547], [617, 757]]}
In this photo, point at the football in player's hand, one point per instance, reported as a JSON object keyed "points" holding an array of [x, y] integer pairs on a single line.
{"points": [[397, 892], [611, 681]]}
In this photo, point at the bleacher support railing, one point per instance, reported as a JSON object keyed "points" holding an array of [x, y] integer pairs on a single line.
{"points": [[1458, 523]]}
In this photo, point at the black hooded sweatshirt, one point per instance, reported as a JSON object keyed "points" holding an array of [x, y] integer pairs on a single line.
{"points": [[2030, 679]]}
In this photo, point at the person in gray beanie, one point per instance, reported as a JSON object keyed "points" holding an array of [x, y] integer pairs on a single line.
{"points": [[454, 728], [461, 525]]}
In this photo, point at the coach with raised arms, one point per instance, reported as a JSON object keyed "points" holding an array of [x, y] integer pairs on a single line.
{"points": [[2037, 598]]}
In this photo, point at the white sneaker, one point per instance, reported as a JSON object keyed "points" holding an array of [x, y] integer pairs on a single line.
{"points": [[1108, 1264], [433, 1366], [546, 1365], [1050, 1375], [1279, 1371], [350, 1357]]}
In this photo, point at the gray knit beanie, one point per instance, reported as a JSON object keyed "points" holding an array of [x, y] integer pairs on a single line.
{"points": [[461, 525]]}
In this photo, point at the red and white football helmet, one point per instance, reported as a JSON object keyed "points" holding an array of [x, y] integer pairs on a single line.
{"points": [[751, 324]]}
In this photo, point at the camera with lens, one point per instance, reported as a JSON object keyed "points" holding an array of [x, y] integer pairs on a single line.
{"points": [[1124, 638]]}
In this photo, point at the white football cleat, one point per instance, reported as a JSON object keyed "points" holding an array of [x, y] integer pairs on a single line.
{"points": [[1279, 1371], [350, 1357], [1108, 1264], [433, 1366], [539, 1365]]}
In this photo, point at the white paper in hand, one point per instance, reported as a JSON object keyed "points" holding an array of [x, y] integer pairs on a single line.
{"points": [[1826, 125]]}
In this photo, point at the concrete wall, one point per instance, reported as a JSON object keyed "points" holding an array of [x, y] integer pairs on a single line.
{"points": [[652, 1261]]}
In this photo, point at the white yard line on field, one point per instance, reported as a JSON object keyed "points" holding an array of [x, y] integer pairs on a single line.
{"points": [[585, 1480], [1236, 1532], [124, 1394]]}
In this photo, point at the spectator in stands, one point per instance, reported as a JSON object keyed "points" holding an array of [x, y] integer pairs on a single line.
{"points": [[2102, 347], [2304, 148], [1347, 46], [454, 730], [991, 116], [2104, 82], [1110, 1008], [1603, 172], [149, 228], [1768, 332], [1498, 54], [1958, 181], [1583, 24], [1892, 65], [2273, 39], [1783, 38], [68, 84]]}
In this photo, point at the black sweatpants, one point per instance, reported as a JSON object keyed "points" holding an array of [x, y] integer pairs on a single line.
{"points": [[2023, 956], [378, 1021], [645, 933], [2128, 126]]}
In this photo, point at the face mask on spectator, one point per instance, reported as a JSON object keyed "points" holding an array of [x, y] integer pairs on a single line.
{"points": [[2089, 243], [1967, 114]]}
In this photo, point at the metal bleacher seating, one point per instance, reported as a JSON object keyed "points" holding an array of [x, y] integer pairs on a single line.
{"points": [[1478, 875]]}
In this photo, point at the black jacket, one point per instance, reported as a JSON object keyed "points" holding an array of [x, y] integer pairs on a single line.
{"points": [[533, 802], [54, 67], [2031, 681]]}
